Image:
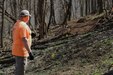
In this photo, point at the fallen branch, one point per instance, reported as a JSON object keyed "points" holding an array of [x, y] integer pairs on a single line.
{"points": [[43, 41], [9, 60], [8, 15]]}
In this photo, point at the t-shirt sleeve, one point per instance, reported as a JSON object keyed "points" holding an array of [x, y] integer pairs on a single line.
{"points": [[23, 32]]}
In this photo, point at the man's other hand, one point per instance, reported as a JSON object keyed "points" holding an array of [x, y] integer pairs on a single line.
{"points": [[31, 57], [33, 35]]}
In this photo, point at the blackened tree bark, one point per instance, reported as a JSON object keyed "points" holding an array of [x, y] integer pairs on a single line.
{"points": [[2, 24], [68, 12], [91, 6], [41, 17], [86, 7], [81, 7], [52, 14], [14, 5], [100, 6], [112, 3], [35, 13], [94, 6]]}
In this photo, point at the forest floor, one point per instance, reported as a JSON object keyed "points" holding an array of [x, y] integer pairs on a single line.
{"points": [[80, 50]]}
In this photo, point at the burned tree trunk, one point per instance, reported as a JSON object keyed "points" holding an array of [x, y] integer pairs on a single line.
{"points": [[2, 24], [52, 14], [112, 3], [68, 12], [41, 18], [100, 6]]}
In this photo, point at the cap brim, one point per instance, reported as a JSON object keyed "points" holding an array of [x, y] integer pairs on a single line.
{"points": [[30, 15]]}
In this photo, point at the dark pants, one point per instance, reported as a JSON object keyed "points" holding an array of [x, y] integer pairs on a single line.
{"points": [[20, 66]]}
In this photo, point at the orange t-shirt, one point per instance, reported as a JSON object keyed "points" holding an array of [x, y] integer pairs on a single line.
{"points": [[20, 30]]}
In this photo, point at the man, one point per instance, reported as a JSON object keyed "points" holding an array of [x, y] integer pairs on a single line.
{"points": [[21, 47]]}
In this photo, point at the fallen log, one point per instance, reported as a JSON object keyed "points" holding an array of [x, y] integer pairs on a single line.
{"points": [[49, 39], [7, 61]]}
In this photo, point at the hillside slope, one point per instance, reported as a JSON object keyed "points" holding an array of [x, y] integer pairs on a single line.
{"points": [[87, 54], [90, 53]]}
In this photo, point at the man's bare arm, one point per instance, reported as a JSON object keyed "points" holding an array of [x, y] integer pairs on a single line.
{"points": [[24, 39]]}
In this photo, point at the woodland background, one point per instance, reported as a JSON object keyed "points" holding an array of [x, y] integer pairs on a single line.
{"points": [[47, 13], [72, 37]]}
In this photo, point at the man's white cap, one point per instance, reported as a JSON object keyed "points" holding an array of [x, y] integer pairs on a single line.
{"points": [[24, 13]]}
